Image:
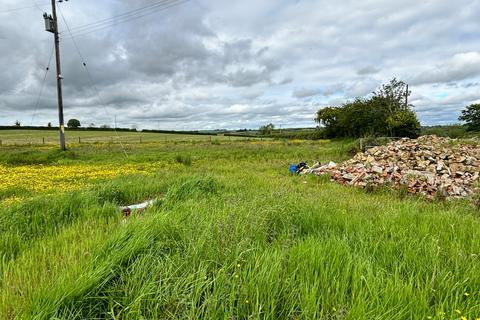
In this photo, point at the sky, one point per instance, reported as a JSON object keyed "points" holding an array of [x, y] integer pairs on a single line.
{"points": [[214, 64]]}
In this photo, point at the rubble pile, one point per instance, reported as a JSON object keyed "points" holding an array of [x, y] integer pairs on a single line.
{"points": [[429, 165]]}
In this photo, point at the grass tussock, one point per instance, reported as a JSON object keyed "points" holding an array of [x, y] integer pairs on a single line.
{"points": [[184, 159]]}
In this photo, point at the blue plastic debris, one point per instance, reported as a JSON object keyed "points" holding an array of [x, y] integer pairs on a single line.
{"points": [[293, 168]]}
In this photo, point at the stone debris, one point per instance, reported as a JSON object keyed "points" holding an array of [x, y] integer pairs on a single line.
{"points": [[429, 165]]}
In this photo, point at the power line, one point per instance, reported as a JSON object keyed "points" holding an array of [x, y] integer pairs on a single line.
{"points": [[126, 17], [91, 78], [47, 69], [23, 8], [125, 14], [37, 103], [37, 6]]}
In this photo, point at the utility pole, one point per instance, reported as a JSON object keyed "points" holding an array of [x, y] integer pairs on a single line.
{"points": [[406, 98], [51, 25]]}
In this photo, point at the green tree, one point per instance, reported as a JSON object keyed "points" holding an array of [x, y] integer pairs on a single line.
{"points": [[73, 123], [17, 123], [266, 129], [394, 96], [386, 113], [404, 124], [471, 116], [328, 118]]}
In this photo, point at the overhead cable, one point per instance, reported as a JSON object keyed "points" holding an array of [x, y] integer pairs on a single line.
{"points": [[23, 8], [126, 17], [92, 83]]}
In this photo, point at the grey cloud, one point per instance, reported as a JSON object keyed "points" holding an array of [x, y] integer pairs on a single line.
{"points": [[368, 70], [247, 78], [461, 66], [253, 95], [361, 88], [333, 89], [305, 93], [285, 81]]}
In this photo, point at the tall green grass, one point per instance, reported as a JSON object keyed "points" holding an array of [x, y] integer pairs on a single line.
{"points": [[236, 237]]}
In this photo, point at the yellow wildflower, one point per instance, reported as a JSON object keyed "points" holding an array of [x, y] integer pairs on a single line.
{"points": [[44, 179]]}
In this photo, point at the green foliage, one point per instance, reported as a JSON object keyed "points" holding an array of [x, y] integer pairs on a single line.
{"points": [[384, 114], [36, 157], [404, 124], [216, 142], [266, 129], [73, 123], [471, 116], [184, 159], [301, 134], [193, 188], [112, 194], [454, 131]]}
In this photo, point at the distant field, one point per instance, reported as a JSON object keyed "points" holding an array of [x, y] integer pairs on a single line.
{"points": [[47, 137]]}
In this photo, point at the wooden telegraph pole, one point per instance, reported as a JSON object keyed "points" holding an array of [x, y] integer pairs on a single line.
{"points": [[406, 98], [51, 25]]}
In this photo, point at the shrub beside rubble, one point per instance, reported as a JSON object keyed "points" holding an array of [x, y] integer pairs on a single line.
{"points": [[430, 166]]}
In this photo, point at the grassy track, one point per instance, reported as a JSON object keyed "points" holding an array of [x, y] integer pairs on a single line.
{"points": [[234, 237]]}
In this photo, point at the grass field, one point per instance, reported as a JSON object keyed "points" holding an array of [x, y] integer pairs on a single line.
{"points": [[232, 236], [47, 137]]}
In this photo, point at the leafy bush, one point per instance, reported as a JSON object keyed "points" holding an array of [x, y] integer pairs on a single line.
{"points": [[384, 114], [404, 124]]}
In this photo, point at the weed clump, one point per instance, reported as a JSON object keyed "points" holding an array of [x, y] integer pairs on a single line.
{"points": [[193, 188], [216, 142], [184, 159], [111, 194]]}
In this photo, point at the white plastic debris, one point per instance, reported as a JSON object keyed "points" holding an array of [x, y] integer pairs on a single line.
{"points": [[127, 210]]}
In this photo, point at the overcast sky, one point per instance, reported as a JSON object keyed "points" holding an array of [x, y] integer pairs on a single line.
{"points": [[209, 64]]}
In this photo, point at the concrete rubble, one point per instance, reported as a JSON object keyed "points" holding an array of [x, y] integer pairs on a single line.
{"points": [[430, 166]]}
